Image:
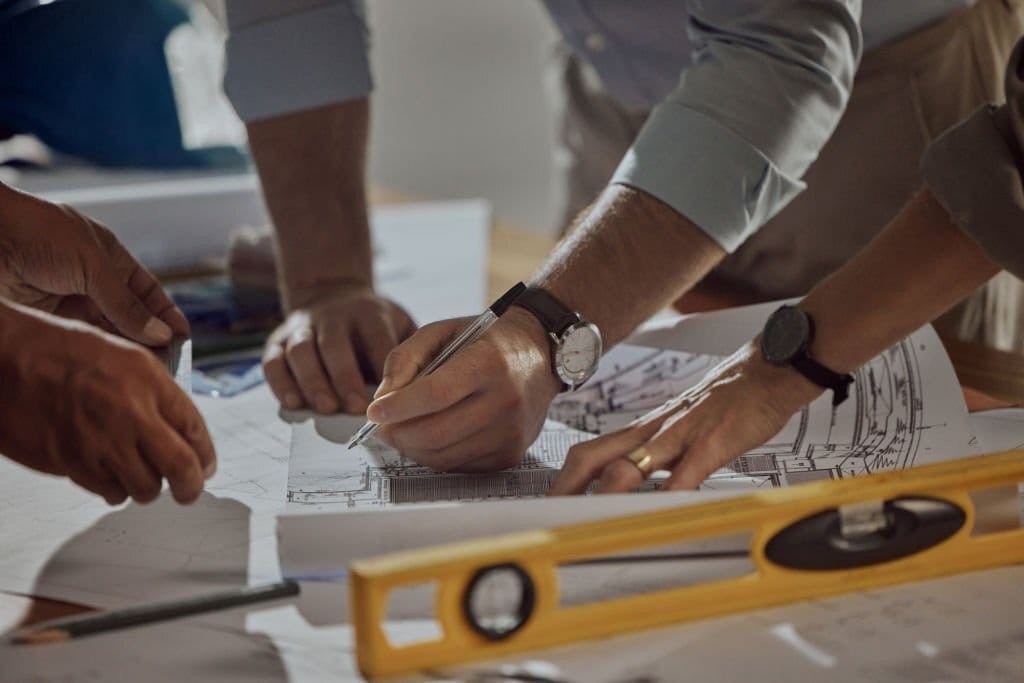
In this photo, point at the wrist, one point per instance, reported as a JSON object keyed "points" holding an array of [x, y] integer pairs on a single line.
{"points": [[307, 293], [526, 325], [787, 385]]}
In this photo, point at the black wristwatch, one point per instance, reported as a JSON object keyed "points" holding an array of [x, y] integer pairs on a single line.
{"points": [[785, 340], [576, 343]]}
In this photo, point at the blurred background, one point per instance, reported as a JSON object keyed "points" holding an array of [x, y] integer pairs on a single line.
{"points": [[460, 108]]}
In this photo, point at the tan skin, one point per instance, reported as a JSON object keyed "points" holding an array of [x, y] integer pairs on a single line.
{"points": [[916, 269], [613, 272], [79, 401], [338, 331], [630, 256]]}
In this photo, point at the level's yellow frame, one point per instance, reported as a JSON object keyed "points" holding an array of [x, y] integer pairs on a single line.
{"points": [[763, 514]]}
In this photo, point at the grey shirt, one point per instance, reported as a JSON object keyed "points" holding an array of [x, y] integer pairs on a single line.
{"points": [[745, 92]]}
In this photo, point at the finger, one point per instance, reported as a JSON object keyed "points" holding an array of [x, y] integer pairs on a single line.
{"points": [[415, 353], [77, 307], [183, 416], [140, 281], [97, 480], [304, 362], [376, 337], [279, 375], [156, 299], [125, 309], [585, 461], [169, 455], [432, 394], [440, 432], [334, 347], [403, 324], [482, 451], [664, 448], [134, 473], [698, 462]]}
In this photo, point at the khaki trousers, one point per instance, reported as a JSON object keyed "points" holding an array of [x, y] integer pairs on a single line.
{"points": [[906, 92]]}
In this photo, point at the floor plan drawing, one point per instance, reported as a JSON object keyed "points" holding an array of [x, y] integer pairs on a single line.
{"points": [[885, 424]]}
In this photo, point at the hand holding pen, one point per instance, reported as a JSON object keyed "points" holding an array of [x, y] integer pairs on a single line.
{"points": [[467, 336]]}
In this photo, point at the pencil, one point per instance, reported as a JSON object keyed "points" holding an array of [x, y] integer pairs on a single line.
{"points": [[59, 630]]}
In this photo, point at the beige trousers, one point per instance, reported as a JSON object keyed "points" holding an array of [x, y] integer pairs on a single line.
{"points": [[906, 92]]}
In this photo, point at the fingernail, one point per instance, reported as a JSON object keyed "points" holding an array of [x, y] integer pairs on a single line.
{"points": [[292, 401], [211, 469], [355, 403], [324, 404], [157, 330], [385, 386], [375, 413]]}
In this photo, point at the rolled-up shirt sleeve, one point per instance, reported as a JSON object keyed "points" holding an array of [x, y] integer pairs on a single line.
{"points": [[768, 84], [975, 170], [291, 55]]}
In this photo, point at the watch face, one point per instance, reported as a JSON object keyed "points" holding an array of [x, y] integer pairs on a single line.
{"points": [[578, 353], [786, 334]]}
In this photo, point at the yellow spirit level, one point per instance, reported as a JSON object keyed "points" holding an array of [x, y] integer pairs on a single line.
{"points": [[806, 541]]}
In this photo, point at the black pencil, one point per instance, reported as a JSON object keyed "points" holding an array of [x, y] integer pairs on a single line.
{"points": [[59, 630]]}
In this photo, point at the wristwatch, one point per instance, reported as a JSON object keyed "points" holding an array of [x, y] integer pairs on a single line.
{"points": [[576, 343], [785, 341]]}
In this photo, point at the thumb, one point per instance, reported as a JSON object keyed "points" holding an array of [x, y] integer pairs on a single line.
{"points": [[409, 357], [125, 310]]}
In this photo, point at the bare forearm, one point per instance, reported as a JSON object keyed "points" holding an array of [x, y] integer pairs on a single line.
{"points": [[629, 257], [915, 270], [312, 165]]}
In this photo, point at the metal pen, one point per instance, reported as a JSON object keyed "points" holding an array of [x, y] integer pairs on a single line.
{"points": [[470, 334]]}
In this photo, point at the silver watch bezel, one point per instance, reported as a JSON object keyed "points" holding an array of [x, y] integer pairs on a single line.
{"points": [[574, 380]]}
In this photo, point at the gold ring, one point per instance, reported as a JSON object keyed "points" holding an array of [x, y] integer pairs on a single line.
{"points": [[642, 459]]}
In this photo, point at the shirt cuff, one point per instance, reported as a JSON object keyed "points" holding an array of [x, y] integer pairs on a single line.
{"points": [[973, 174], [707, 173], [297, 62]]}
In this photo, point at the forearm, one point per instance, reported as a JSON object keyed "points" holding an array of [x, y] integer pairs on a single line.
{"points": [[312, 166], [915, 270], [629, 257]]}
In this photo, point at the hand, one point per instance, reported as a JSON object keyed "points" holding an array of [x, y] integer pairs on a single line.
{"points": [[55, 259], [738, 406], [81, 403], [478, 412], [331, 346]]}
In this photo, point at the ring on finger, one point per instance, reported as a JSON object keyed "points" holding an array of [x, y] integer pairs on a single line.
{"points": [[642, 459]]}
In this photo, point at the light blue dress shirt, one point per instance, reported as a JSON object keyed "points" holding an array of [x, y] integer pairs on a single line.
{"points": [[744, 93]]}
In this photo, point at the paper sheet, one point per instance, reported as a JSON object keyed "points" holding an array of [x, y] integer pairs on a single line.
{"points": [[905, 408], [963, 628], [61, 542], [998, 430]]}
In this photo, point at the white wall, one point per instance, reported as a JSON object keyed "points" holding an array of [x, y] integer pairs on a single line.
{"points": [[460, 108]]}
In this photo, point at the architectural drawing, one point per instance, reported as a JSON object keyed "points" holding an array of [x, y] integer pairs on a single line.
{"points": [[880, 427]]}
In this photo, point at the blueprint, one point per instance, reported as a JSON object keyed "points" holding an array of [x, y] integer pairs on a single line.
{"points": [[886, 424]]}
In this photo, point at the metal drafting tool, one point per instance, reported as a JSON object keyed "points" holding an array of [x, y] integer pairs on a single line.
{"points": [[807, 541]]}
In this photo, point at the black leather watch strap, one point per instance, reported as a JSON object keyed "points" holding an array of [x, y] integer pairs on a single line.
{"points": [[823, 377], [785, 340], [555, 317]]}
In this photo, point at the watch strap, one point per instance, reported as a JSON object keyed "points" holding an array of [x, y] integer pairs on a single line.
{"points": [[824, 377], [553, 315]]}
